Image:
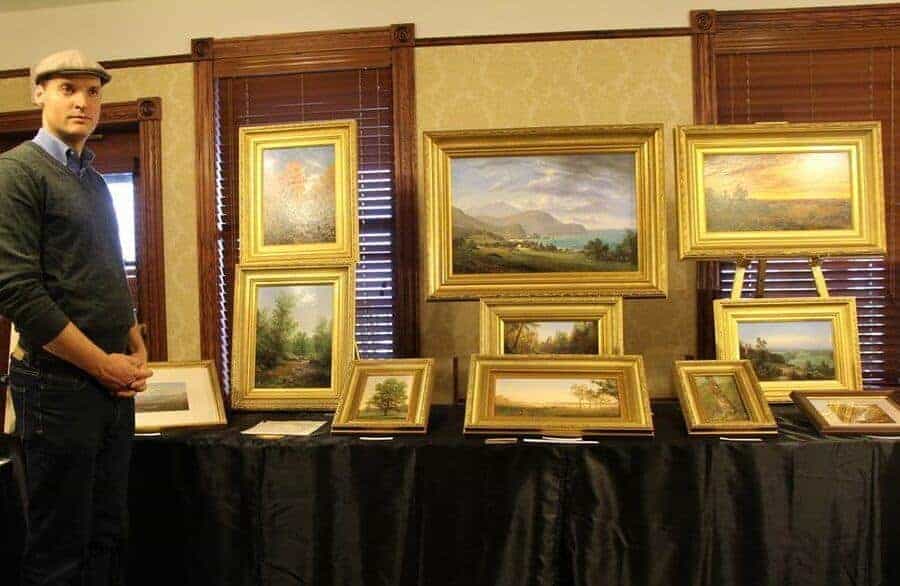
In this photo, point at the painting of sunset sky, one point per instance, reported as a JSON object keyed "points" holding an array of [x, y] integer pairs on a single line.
{"points": [[777, 191]]}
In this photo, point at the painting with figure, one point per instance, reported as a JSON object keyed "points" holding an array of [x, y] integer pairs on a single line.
{"points": [[778, 191], [544, 213], [385, 397], [298, 195], [162, 397], [719, 399], [294, 336], [556, 397], [550, 337], [789, 350]]}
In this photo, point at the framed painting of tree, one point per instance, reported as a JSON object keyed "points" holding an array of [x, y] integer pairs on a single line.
{"points": [[386, 396]]}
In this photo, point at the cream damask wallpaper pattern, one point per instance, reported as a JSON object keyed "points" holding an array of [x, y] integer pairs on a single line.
{"points": [[175, 85], [566, 83]]}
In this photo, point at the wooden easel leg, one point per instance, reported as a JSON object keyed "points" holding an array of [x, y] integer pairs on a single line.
{"points": [[740, 271], [815, 264]]}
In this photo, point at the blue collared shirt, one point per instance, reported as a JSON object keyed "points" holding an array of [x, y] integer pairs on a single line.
{"points": [[65, 154]]}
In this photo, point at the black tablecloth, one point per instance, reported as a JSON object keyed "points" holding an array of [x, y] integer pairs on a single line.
{"points": [[221, 508]]}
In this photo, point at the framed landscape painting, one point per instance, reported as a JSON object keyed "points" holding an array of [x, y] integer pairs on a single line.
{"points": [[298, 189], [560, 395], [793, 343], [180, 395], [780, 190], [722, 397], [872, 412], [386, 396], [547, 210], [293, 338], [551, 325]]}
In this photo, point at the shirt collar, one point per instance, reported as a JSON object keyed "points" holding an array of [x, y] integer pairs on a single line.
{"points": [[62, 152]]}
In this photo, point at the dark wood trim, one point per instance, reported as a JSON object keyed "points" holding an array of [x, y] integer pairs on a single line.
{"points": [[304, 42], [303, 62], [115, 64], [146, 114], [151, 266], [560, 36], [204, 113], [406, 220]]}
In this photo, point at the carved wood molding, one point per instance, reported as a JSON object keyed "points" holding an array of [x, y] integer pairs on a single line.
{"points": [[558, 36]]}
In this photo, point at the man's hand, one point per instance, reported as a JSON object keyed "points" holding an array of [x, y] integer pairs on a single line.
{"points": [[123, 375]]}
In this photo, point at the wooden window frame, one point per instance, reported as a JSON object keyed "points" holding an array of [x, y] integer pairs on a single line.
{"points": [[146, 113], [390, 46], [717, 33]]}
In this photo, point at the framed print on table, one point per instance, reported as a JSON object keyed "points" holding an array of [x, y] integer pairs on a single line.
{"points": [[551, 211], [872, 412], [722, 397], [559, 395], [386, 396], [179, 395], [298, 187], [780, 190], [293, 337], [551, 325], [793, 343]]}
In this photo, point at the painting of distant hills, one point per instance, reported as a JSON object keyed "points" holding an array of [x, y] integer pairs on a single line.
{"points": [[795, 350], [544, 213], [777, 191]]}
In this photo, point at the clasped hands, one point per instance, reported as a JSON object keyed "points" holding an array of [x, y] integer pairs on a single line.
{"points": [[124, 375]]}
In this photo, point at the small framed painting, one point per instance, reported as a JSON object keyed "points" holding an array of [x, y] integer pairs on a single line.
{"points": [[293, 337], [780, 190], [178, 395], [722, 397], [298, 189], [794, 344], [872, 412], [551, 325], [559, 395], [550, 211], [386, 396]]}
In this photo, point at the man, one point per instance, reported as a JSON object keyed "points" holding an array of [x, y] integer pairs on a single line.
{"points": [[81, 357]]}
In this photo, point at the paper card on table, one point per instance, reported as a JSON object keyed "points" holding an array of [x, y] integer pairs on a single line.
{"points": [[301, 428]]}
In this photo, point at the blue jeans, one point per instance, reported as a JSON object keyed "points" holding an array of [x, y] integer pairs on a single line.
{"points": [[77, 445]]}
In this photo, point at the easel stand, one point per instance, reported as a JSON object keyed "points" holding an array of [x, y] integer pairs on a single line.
{"points": [[740, 271]]}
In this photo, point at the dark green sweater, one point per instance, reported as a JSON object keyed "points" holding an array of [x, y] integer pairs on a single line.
{"points": [[60, 257]]}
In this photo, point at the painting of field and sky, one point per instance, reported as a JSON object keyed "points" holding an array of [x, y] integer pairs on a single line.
{"points": [[850, 412], [777, 191], [298, 195], [556, 397], [795, 350], [162, 397], [719, 399], [550, 337], [293, 336], [544, 213], [385, 397]]}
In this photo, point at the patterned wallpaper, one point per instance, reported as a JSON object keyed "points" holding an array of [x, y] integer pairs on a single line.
{"points": [[561, 84], [175, 85]]}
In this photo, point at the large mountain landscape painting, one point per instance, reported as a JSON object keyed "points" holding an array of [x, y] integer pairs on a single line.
{"points": [[544, 213]]}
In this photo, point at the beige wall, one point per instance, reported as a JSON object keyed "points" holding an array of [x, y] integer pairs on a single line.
{"points": [[560, 84], [175, 85], [124, 29]]}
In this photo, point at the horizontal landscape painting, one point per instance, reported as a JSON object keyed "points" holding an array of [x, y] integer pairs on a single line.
{"points": [[162, 397], [544, 213], [556, 397], [795, 350], [777, 191], [550, 337], [855, 412]]}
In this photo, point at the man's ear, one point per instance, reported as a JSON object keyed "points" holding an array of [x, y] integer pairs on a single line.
{"points": [[37, 94]]}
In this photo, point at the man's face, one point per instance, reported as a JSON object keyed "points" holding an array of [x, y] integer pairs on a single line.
{"points": [[71, 106]]}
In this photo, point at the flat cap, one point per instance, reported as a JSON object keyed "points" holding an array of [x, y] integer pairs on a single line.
{"points": [[70, 62]]}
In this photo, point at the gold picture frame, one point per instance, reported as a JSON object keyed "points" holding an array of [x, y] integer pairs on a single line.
{"points": [[308, 375], [837, 413], [795, 343], [610, 391], [183, 394], [604, 313], [722, 397], [379, 383], [619, 248], [314, 162], [780, 190]]}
